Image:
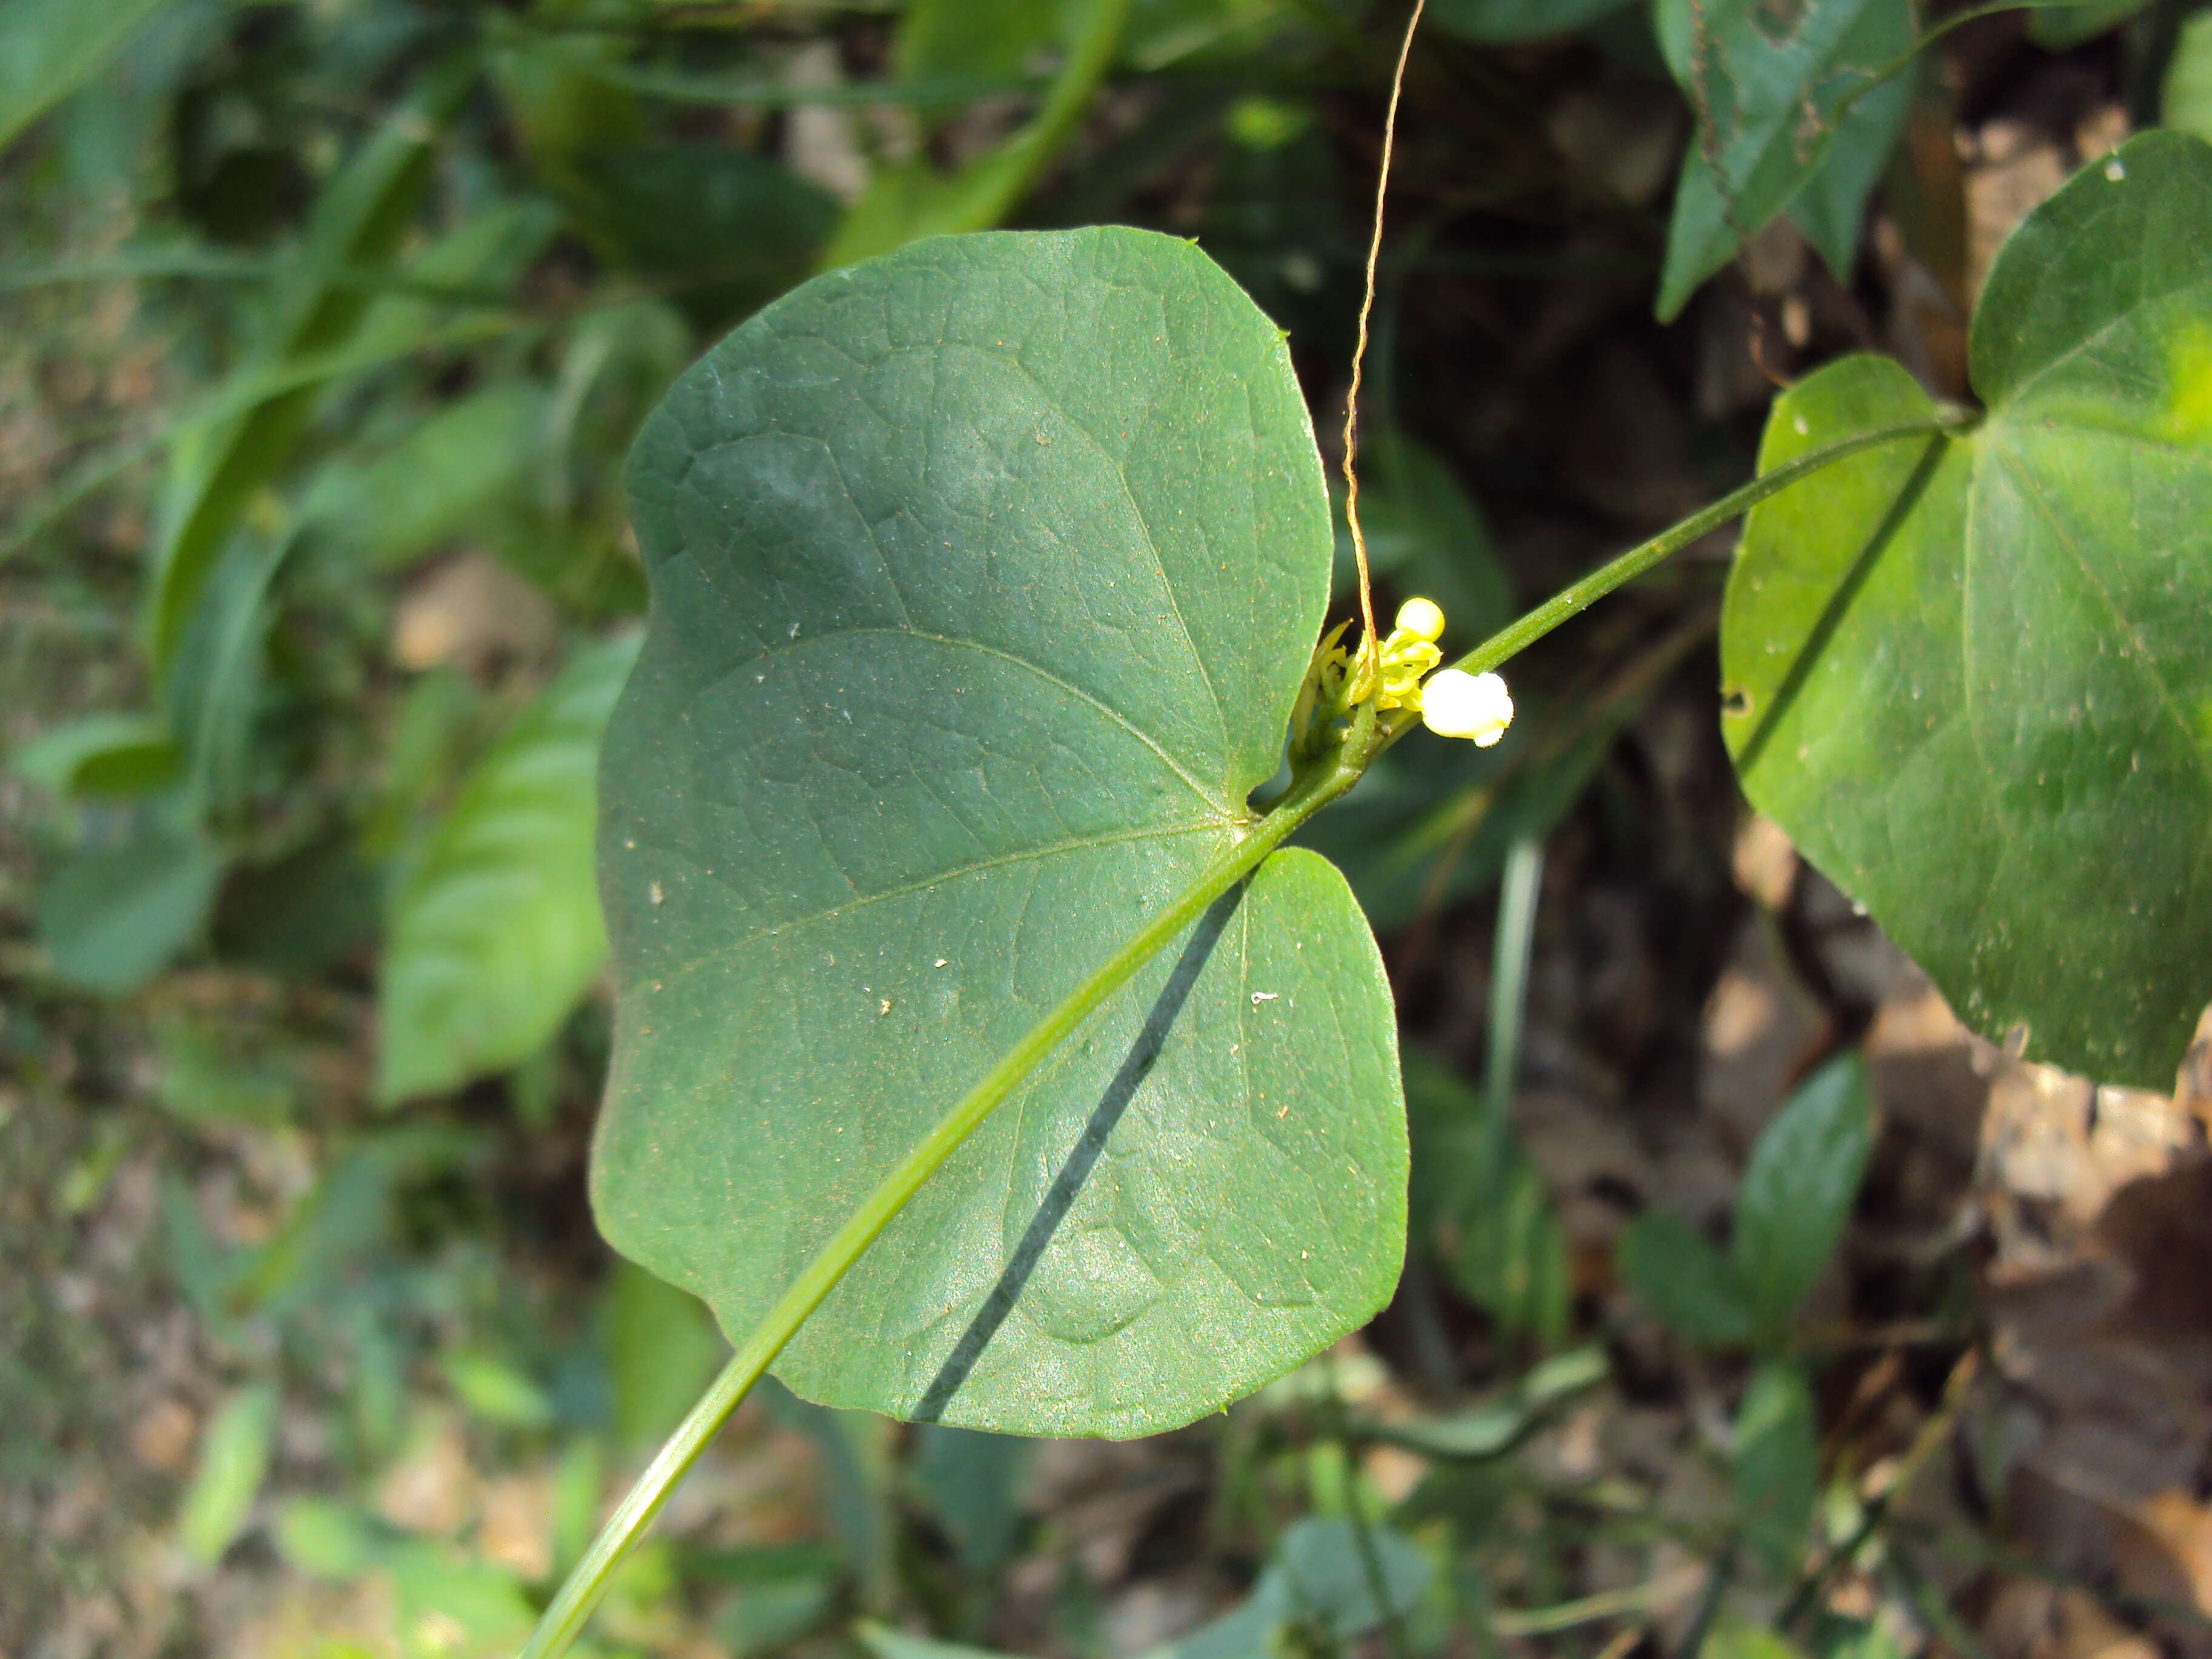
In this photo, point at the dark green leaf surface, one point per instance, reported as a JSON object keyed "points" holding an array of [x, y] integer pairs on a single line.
{"points": [[1969, 676], [114, 755], [216, 468], [1798, 1189], [1780, 99], [1676, 1273], [495, 928], [112, 918], [984, 576], [1517, 20]]}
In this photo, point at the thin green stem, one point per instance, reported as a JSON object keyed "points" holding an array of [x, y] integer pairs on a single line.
{"points": [[564, 1618], [1509, 992], [1518, 635]]}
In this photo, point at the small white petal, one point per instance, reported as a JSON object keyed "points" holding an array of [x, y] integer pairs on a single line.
{"points": [[1457, 704], [1423, 618]]}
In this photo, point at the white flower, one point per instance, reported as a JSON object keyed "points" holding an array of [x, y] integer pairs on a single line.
{"points": [[1457, 704], [1423, 618]]}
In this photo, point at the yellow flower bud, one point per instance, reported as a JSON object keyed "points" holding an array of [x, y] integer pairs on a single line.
{"points": [[1423, 618], [1457, 704]]}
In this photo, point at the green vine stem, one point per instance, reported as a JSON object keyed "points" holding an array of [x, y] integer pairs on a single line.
{"points": [[1519, 634], [1328, 776]]}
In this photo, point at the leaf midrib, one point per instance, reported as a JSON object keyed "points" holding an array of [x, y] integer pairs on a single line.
{"points": [[1026, 855]]}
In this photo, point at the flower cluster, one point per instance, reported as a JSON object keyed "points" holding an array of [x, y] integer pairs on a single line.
{"points": [[1452, 703]]}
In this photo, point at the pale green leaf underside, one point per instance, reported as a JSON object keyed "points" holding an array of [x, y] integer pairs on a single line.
{"points": [[984, 577], [1971, 678]]}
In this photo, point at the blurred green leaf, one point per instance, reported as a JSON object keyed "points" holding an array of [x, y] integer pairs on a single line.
{"points": [[886, 1643], [302, 911], [1779, 95], [1777, 1470], [2185, 103], [973, 1482], [1314, 1594], [769, 1615], [891, 736], [2058, 28], [495, 929], [1517, 20], [1797, 1192], [217, 468], [201, 1082], [984, 39], [905, 203], [450, 1606], [494, 1391], [1967, 674], [305, 1261], [724, 230], [49, 48], [578, 1479], [234, 1460], [1480, 1203], [1677, 1273], [215, 680], [325, 1537], [105, 756], [440, 481], [1490, 1430], [661, 1348], [1735, 1639], [113, 917]]}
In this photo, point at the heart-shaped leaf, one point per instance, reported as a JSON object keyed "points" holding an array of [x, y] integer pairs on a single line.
{"points": [[1969, 675], [984, 577]]}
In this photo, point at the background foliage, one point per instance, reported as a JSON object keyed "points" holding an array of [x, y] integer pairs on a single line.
{"points": [[329, 325]]}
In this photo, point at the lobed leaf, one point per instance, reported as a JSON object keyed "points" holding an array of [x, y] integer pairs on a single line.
{"points": [[1968, 675]]}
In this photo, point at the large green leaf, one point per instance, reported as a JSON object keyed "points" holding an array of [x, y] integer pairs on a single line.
{"points": [[984, 576], [495, 928], [1968, 675], [1677, 1274], [1788, 111], [48, 48]]}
